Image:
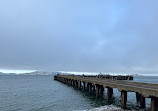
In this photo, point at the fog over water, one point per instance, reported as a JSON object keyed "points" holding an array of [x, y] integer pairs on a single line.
{"points": [[88, 36]]}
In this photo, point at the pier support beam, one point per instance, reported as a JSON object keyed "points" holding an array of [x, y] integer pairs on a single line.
{"points": [[140, 100], [66, 81], [70, 82], [73, 83], [123, 99], [97, 90], [84, 85], [109, 93], [76, 83], [63, 80], [101, 89], [79, 84], [154, 103], [87, 86], [90, 87], [93, 88]]}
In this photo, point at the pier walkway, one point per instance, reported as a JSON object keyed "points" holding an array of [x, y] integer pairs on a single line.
{"points": [[97, 85]]}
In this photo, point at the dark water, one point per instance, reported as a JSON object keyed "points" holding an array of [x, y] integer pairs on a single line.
{"points": [[42, 93]]}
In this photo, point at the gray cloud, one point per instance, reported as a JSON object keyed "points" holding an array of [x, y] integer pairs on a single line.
{"points": [[96, 36]]}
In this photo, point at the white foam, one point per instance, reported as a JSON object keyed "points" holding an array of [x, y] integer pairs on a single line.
{"points": [[104, 108], [111, 108]]}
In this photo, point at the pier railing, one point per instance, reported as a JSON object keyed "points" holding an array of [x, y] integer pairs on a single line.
{"points": [[117, 77]]}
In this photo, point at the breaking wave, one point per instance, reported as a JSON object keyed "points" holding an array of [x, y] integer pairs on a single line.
{"points": [[111, 108], [104, 108]]}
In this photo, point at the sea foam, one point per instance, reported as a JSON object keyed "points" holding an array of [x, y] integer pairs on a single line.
{"points": [[104, 108], [112, 108]]}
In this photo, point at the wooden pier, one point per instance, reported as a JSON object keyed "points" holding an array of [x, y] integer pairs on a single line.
{"points": [[142, 90]]}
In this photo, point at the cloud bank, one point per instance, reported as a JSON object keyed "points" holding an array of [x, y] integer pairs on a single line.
{"points": [[95, 36]]}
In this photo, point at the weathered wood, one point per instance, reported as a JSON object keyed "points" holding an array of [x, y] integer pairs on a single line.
{"points": [[73, 83], [154, 104], [87, 85], [79, 84], [101, 89], [90, 87], [97, 90], [123, 99], [84, 85], [140, 100], [76, 84], [70, 82], [109, 93], [144, 90], [93, 88]]}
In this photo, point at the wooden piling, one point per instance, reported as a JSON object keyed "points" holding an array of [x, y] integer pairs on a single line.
{"points": [[79, 84], [123, 99], [73, 83], [154, 103], [101, 89], [140, 100], [90, 87], [109, 93], [76, 83], [84, 85], [93, 88], [70, 82], [97, 90], [87, 85]]}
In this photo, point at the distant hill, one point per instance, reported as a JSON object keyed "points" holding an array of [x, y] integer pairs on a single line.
{"points": [[31, 73], [39, 73], [1, 73], [51, 73]]}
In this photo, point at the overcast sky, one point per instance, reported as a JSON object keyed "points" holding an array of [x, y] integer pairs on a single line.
{"points": [[117, 36]]}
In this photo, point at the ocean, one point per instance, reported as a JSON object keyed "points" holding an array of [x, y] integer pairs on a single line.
{"points": [[43, 93]]}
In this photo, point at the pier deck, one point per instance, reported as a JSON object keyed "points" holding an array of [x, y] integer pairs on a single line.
{"points": [[143, 90]]}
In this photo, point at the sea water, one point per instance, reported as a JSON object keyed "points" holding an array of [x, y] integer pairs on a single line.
{"points": [[43, 93]]}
